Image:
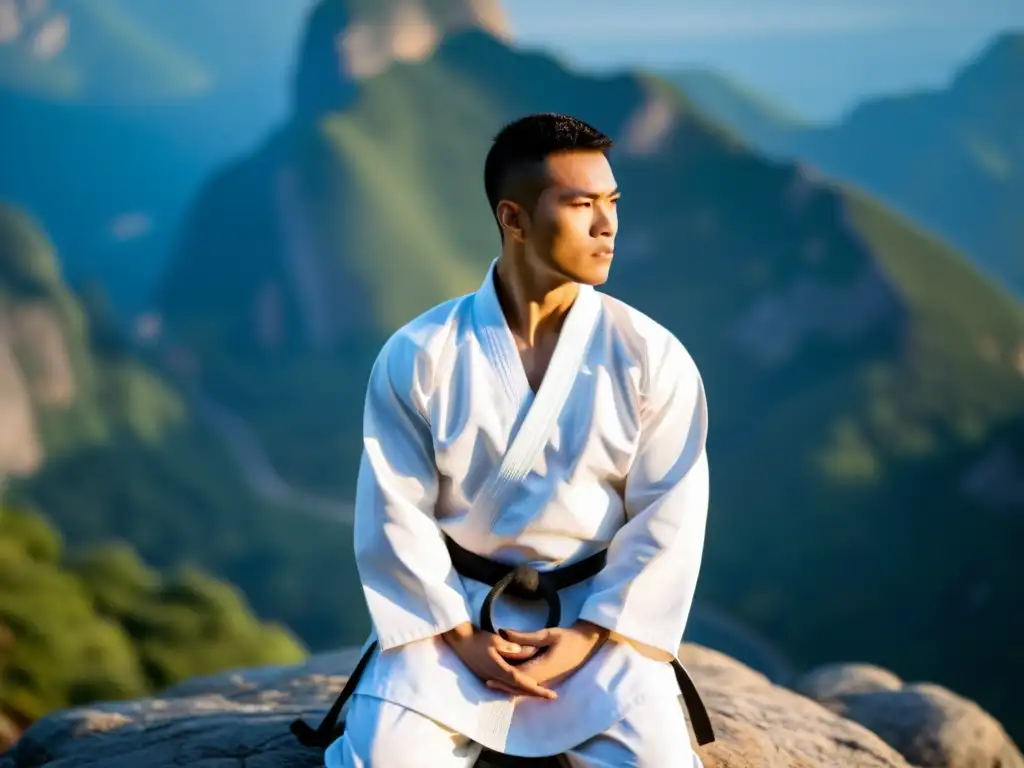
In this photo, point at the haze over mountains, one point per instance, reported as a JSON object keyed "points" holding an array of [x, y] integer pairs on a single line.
{"points": [[114, 111], [119, 52], [816, 59], [951, 158], [866, 380]]}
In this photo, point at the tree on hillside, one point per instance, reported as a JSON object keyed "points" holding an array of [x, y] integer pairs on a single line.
{"points": [[104, 626]]}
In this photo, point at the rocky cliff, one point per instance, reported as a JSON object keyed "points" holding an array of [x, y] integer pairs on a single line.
{"points": [[112, 448], [349, 41], [55, 370], [846, 715]]}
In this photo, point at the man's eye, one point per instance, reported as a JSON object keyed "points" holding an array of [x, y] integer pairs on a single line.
{"points": [[581, 204]]}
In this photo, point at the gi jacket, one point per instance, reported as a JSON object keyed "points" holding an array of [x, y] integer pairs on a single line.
{"points": [[608, 453]]}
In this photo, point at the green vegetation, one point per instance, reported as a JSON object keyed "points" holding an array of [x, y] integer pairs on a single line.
{"points": [[27, 266], [101, 625]]}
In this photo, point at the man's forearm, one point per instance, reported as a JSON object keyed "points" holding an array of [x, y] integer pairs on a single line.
{"points": [[592, 630], [459, 632]]}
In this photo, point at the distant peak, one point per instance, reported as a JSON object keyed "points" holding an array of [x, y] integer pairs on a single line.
{"points": [[410, 31], [1006, 49], [1002, 58], [351, 40], [1008, 43]]}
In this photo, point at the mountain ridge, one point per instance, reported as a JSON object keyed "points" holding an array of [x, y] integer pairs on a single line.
{"points": [[948, 157]]}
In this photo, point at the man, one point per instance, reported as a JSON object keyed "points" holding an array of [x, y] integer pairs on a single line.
{"points": [[534, 422]]}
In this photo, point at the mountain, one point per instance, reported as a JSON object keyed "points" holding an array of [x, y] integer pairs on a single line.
{"points": [[102, 625], [950, 159], [115, 110], [862, 374], [736, 107], [119, 52], [111, 183], [953, 159], [112, 448]]}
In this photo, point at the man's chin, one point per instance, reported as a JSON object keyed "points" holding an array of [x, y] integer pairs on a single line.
{"points": [[594, 276], [592, 273]]}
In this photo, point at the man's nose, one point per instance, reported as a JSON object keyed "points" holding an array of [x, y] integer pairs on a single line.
{"points": [[605, 223]]}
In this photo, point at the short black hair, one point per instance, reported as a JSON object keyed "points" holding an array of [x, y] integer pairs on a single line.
{"points": [[524, 144]]}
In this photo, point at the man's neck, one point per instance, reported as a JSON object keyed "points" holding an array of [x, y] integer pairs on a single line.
{"points": [[535, 303]]}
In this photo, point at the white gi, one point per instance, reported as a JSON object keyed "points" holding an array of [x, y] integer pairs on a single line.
{"points": [[609, 453]]}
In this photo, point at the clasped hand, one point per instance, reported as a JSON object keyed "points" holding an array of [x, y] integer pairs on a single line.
{"points": [[527, 663]]}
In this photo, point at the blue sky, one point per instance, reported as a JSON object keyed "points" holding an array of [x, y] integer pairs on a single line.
{"points": [[817, 57]]}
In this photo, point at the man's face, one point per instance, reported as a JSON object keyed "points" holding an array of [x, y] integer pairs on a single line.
{"points": [[572, 228]]}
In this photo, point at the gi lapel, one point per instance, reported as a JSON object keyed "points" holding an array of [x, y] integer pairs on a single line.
{"points": [[535, 430]]}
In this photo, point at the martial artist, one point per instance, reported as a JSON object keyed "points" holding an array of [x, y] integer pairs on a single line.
{"points": [[539, 422]]}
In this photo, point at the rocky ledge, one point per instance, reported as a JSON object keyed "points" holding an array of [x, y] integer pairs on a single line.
{"points": [[849, 715]]}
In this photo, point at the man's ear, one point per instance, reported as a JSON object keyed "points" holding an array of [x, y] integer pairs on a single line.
{"points": [[510, 216]]}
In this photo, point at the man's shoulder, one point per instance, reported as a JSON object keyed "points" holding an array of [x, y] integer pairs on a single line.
{"points": [[423, 334], [652, 340]]}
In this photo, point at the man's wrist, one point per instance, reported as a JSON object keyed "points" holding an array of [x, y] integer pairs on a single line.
{"points": [[589, 629], [458, 632]]}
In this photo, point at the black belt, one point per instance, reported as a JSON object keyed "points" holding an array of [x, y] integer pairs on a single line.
{"points": [[524, 582], [528, 583]]}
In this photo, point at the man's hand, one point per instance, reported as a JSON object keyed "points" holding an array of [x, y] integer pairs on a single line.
{"points": [[564, 650], [486, 654]]}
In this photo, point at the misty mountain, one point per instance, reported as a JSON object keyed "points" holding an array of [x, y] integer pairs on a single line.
{"points": [[951, 159], [115, 111]]}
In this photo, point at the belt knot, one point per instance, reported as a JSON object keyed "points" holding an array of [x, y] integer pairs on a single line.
{"points": [[525, 582]]}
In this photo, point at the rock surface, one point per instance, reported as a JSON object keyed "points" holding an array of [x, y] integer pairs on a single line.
{"points": [[241, 719], [35, 370], [928, 724], [8, 734]]}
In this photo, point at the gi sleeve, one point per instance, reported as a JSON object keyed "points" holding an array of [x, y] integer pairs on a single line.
{"points": [[411, 589], [645, 591]]}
